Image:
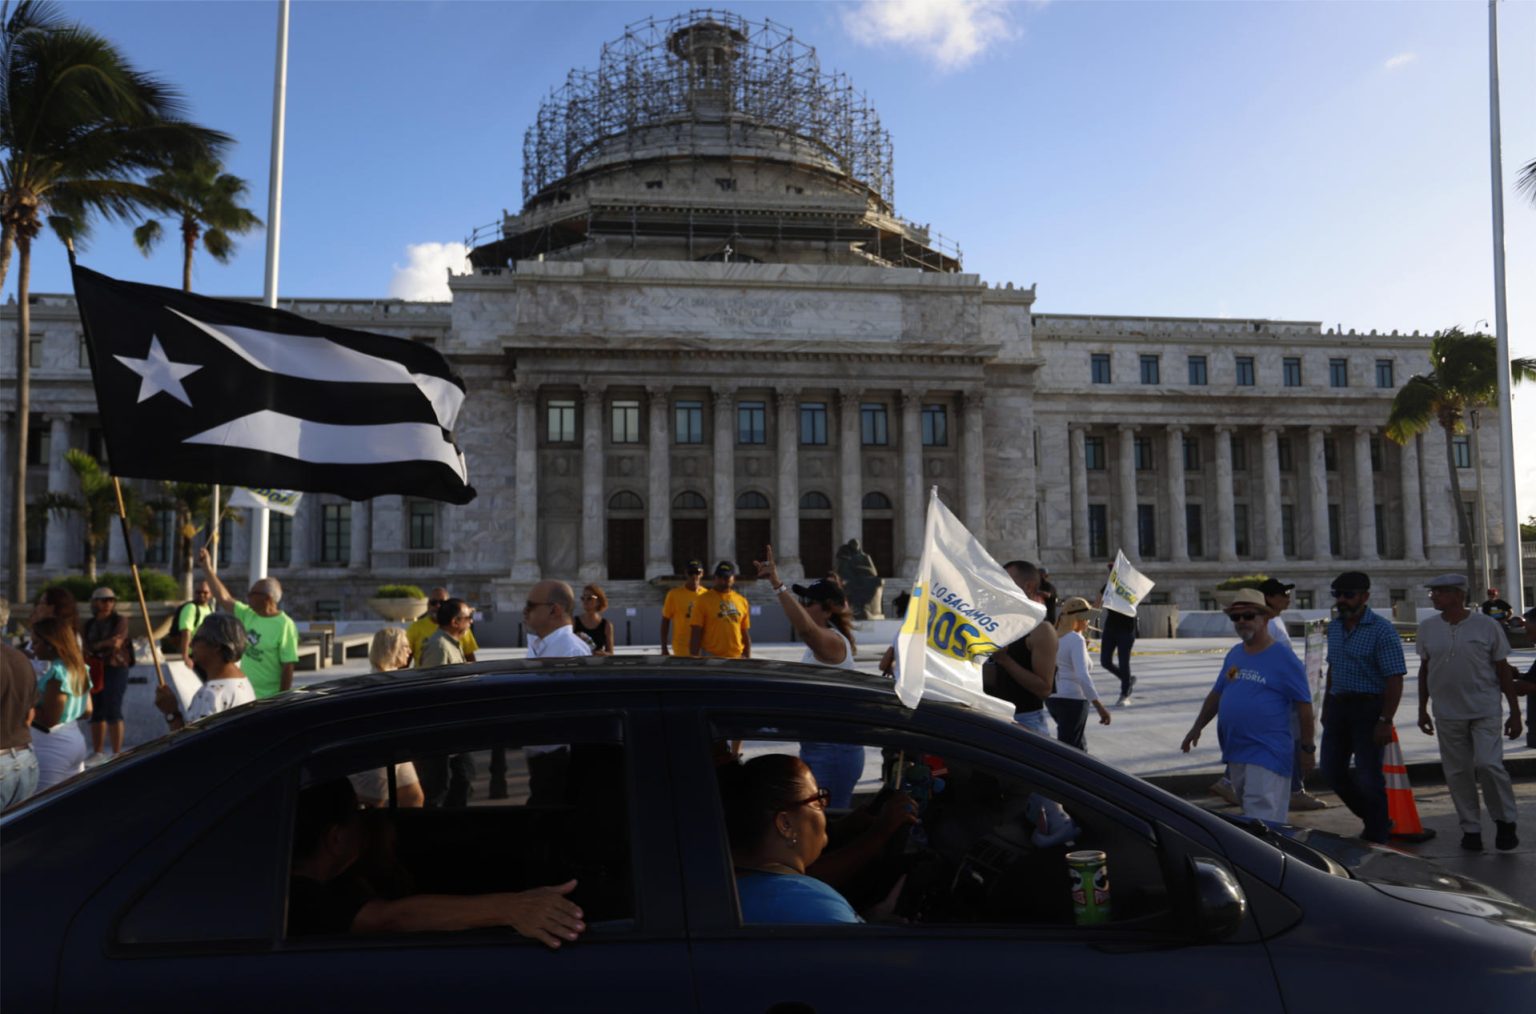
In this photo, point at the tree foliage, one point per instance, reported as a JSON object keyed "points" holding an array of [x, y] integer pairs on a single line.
{"points": [[205, 201]]}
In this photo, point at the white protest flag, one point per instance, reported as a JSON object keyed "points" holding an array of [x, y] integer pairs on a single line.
{"points": [[1126, 586], [284, 501], [964, 607]]}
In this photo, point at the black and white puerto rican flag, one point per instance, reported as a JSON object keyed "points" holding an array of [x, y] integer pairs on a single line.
{"points": [[208, 390]]}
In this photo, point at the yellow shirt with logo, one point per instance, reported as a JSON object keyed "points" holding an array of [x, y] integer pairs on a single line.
{"points": [[678, 608], [424, 627], [725, 618]]}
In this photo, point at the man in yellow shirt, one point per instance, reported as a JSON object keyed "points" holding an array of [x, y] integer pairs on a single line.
{"points": [[677, 611], [426, 625], [721, 619]]}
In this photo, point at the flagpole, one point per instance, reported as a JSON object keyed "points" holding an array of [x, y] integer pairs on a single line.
{"points": [[138, 585], [261, 517], [1513, 579]]}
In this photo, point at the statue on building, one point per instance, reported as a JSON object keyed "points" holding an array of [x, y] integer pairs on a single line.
{"points": [[861, 581]]}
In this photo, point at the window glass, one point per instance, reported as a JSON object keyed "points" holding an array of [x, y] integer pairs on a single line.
{"points": [[877, 502], [1146, 529], [752, 501], [1288, 529], [1245, 376], [1375, 454], [1093, 454], [814, 501], [1330, 454], [1461, 450], [1283, 454], [1098, 530], [1194, 532], [1197, 371], [752, 422], [1239, 454], [1334, 530], [1191, 454], [625, 422], [1142, 451], [689, 420], [423, 522], [279, 540], [1099, 367], [335, 533], [561, 421], [1150, 370], [1338, 373], [1291, 371], [1240, 528], [873, 425], [813, 422], [1384, 373], [935, 426], [689, 500]]}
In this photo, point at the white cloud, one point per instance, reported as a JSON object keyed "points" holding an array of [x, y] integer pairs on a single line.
{"points": [[949, 33], [424, 276], [1400, 60]]}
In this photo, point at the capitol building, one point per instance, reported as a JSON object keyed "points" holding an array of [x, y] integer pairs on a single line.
{"points": [[707, 329]]}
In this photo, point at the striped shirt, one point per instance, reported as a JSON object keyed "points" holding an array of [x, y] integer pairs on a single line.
{"points": [[1362, 660]]}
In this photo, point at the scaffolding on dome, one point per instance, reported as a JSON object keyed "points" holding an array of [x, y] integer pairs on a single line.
{"points": [[706, 63]]}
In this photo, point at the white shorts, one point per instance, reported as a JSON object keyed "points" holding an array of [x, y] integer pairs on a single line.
{"points": [[1263, 793]]}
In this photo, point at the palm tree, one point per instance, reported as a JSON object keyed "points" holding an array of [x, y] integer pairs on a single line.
{"points": [[78, 125], [1527, 180], [1464, 376], [96, 505], [188, 500], [206, 200]]}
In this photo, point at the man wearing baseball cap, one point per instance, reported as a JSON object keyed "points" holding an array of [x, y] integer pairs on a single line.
{"points": [[1463, 667], [1364, 686], [677, 610], [721, 619]]}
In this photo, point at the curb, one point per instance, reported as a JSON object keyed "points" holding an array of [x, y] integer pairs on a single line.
{"points": [[1196, 784]]}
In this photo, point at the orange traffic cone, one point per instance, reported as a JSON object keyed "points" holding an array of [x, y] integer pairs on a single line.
{"points": [[1400, 805]]}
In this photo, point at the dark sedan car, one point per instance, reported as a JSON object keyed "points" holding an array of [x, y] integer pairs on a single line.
{"points": [[160, 882]]}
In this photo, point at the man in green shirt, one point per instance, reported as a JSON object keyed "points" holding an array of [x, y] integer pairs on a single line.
{"points": [[191, 616], [273, 646]]}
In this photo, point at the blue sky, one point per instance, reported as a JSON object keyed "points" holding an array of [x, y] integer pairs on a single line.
{"points": [[1305, 161]]}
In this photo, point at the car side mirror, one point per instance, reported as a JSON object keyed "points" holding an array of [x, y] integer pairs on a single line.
{"points": [[1220, 905]]}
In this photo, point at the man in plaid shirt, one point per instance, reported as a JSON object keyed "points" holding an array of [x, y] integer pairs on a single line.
{"points": [[1365, 683]]}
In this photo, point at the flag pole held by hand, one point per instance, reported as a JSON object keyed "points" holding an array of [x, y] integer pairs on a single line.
{"points": [[138, 586]]}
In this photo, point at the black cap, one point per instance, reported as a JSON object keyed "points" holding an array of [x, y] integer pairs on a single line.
{"points": [[1275, 586], [819, 591], [1352, 581], [725, 567], [693, 567]]}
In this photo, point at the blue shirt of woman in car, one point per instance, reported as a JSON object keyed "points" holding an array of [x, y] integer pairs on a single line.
{"points": [[776, 817]]}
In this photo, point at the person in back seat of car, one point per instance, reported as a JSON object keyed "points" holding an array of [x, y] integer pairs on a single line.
{"points": [[324, 897]]}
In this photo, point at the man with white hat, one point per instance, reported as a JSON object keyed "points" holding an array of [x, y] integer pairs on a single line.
{"points": [[1260, 685], [1462, 665]]}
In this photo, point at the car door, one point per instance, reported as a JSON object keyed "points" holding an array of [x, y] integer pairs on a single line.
{"points": [[1154, 957], [197, 922]]}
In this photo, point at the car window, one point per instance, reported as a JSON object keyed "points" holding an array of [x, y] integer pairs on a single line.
{"points": [[991, 844], [468, 812]]}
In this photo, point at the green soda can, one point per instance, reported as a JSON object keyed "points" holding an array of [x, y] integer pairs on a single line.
{"points": [[1089, 877]]}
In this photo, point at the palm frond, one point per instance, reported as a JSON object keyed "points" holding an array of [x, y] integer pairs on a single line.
{"points": [[1415, 408]]}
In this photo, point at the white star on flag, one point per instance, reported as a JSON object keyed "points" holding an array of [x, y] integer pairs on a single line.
{"points": [[159, 373]]}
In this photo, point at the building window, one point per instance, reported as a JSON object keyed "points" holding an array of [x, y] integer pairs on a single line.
{"points": [[1146, 529], [624, 500], [1334, 542], [1194, 531], [688, 419], [1461, 451], [37, 535], [1290, 369], [336, 533], [873, 428], [725, 183], [752, 422], [813, 423], [1283, 454], [1381, 530], [1099, 367], [935, 426], [423, 525], [687, 500], [1375, 454], [1338, 373], [279, 540], [1191, 454], [39, 441], [159, 540], [1150, 371], [561, 421], [1240, 529], [876, 502], [1384, 373], [1098, 530], [35, 349], [814, 501], [226, 540], [1330, 454], [1093, 454], [1288, 529], [1244, 371], [624, 422], [1239, 454], [1197, 372], [1141, 450], [1303, 599], [752, 500]]}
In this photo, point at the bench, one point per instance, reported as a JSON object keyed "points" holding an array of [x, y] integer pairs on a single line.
{"points": [[342, 644], [310, 657]]}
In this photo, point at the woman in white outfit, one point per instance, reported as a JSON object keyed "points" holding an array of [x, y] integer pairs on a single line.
{"points": [[1074, 676], [820, 615], [63, 697]]}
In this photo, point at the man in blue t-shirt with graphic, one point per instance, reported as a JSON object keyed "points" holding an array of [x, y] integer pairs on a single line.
{"points": [[1261, 683]]}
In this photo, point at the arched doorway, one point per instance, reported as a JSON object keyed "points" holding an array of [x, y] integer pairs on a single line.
{"points": [[880, 532], [690, 530], [754, 530], [815, 534], [626, 537]]}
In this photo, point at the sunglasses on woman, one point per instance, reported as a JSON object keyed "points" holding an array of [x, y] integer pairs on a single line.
{"points": [[819, 800]]}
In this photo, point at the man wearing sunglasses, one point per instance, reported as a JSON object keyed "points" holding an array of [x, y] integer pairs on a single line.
{"points": [[1260, 686], [1364, 685]]}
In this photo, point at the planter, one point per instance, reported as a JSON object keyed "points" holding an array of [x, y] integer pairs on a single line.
{"points": [[161, 615], [399, 610]]}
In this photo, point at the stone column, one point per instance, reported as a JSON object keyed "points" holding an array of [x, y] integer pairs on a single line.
{"points": [[1274, 532], [1178, 533], [1365, 495], [5, 500], [914, 499], [1226, 529], [360, 556], [723, 521], [1413, 517], [850, 496], [1127, 505], [593, 551], [1317, 497], [658, 515], [1076, 435], [973, 451], [525, 538], [786, 515], [60, 528]]}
